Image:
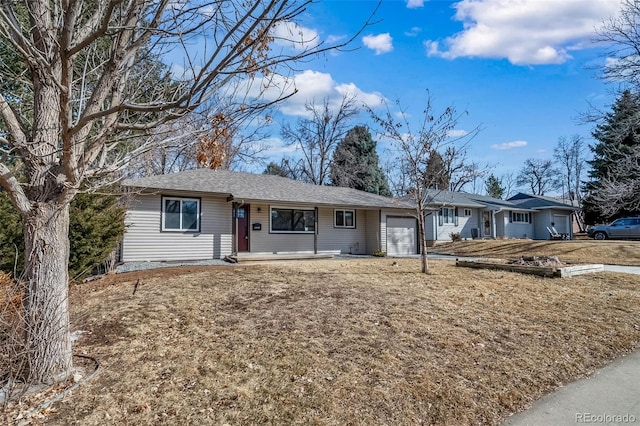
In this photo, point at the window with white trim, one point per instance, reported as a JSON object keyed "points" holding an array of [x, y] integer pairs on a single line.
{"points": [[288, 220], [448, 215], [344, 218], [520, 217], [180, 214], [467, 212]]}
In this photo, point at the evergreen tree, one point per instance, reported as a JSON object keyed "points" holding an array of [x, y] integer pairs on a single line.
{"points": [[96, 225], [11, 238], [355, 163], [618, 138], [437, 172], [494, 187], [275, 169]]}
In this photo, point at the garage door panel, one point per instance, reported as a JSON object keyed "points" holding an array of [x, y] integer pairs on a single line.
{"points": [[401, 235]]}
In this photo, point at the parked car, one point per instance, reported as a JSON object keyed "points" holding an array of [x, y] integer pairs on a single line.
{"points": [[624, 228]]}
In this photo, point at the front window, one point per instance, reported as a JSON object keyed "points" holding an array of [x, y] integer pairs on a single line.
{"points": [[344, 219], [292, 220], [448, 215], [519, 217], [467, 212], [180, 214]]}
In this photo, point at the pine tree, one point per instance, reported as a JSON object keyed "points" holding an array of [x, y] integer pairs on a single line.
{"points": [[355, 163], [494, 187], [618, 138], [437, 172], [96, 225], [275, 169]]}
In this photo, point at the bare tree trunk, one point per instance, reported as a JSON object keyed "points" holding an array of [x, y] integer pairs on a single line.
{"points": [[423, 241], [48, 343]]}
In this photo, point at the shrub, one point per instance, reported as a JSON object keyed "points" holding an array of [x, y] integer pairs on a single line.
{"points": [[455, 236], [379, 253], [11, 238], [96, 225]]}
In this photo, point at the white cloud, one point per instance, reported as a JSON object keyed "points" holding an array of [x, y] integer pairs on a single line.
{"points": [[292, 35], [526, 32], [277, 148], [412, 4], [308, 86], [457, 133], [413, 32], [509, 145], [332, 38], [381, 43]]}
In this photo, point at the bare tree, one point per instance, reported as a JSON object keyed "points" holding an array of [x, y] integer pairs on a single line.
{"points": [[460, 170], [231, 143], [619, 191], [621, 33], [569, 155], [413, 156], [509, 182], [78, 111], [205, 138], [316, 137], [539, 176], [173, 148]]}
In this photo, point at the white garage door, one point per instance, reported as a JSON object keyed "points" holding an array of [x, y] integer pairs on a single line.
{"points": [[562, 223], [401, 235]]}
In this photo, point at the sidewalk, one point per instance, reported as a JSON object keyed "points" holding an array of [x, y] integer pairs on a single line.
{"points": [[610, 396]]}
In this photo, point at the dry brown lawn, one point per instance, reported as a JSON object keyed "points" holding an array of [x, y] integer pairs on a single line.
{"points": [[340, 342], [575, 251]]}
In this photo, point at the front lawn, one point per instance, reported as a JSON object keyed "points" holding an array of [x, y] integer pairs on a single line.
{"points": [[576, 251], [340, 342]]}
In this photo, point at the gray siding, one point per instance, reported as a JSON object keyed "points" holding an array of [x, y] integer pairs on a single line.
{"points": [[541, 220], [544, 218], [265, 242], [372, 218], [518, 230], [341, 240], [430, 226], [330, 239], [443, 232], [144, 240], [501, 220]]}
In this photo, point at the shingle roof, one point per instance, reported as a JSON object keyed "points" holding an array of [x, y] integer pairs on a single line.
{"points": [[464, 199], [450, 198], [539, 202], [254, 187]]}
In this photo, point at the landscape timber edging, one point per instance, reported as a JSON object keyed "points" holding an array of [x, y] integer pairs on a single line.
{"points": [[544, 271]]}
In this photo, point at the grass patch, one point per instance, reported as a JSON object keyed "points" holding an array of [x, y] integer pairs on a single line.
{"points": [[576, 251], [340, 342]]}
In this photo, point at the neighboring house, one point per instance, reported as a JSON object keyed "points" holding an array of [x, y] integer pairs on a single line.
{"points": [[549, 211], [480, 216], [206, 214]]}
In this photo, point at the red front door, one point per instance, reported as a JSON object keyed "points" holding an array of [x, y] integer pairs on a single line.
{"points": [[242, 218]]}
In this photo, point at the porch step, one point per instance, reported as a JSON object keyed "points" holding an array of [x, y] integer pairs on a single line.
{"points": [[251, 257]]}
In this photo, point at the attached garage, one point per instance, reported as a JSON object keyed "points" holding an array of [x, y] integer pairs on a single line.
{"points": [[402, 233], [562, 223]]}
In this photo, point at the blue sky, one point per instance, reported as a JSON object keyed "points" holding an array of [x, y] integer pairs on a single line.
{"points": [[523, 69]]}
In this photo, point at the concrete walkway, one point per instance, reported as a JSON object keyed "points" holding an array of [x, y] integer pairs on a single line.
{"points": [[609, 396]]}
